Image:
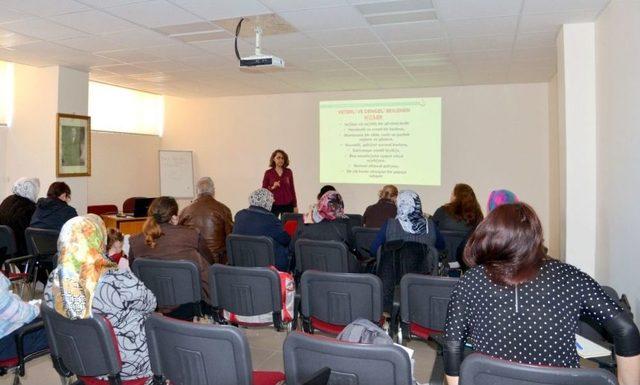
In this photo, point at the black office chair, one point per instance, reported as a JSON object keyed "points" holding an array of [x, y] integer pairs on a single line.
{"points": [[82, 347], [245, 291], [452, 242], [9, 261], [250, 251], [16, 365], [479, 369], [42, 244], [363, 237], [331, 301], [350, 363], [423, 312], [331, 256], [188, 353], [173, 283]]}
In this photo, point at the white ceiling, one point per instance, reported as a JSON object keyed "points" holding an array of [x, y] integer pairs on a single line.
{"points": [[339, 44]]}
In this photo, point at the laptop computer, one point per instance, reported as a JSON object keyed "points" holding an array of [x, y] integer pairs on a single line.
{"points": [[141, 207]]}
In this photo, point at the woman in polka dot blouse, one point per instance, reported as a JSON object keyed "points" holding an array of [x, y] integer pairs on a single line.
{"points": [[517, 304]]}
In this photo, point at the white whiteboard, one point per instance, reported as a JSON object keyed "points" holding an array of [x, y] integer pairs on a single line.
{"points": [[176, 173]]}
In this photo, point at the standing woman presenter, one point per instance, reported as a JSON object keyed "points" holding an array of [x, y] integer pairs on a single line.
{"points": [[279, 180]]}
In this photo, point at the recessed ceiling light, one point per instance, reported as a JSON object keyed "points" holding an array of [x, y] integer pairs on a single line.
{"points": [[394, 18]]}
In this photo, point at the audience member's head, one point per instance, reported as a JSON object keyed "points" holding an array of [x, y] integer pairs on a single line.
{"points": [[509, 243], [115, 241], [162, 210], [464, 206], [410, 213], [205, 186], [330, 207], [279, 158], [388, 192], [261, 198], [324, 189], [59, 190], [500, 197], [81, 264], [27, 188]]}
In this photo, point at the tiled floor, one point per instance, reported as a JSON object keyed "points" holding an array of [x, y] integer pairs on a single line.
{"points": [[266, 354]]}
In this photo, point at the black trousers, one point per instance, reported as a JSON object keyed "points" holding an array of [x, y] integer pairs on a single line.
{"points": [[279, 209]]}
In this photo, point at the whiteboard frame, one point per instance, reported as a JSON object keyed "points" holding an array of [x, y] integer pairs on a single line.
{"points": [[193, 173]]}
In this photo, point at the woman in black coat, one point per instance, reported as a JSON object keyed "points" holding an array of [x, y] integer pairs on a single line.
{"points": [[17, 209], [53, 211]]}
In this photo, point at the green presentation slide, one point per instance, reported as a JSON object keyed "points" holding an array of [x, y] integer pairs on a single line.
{"points": [[381, 141]]}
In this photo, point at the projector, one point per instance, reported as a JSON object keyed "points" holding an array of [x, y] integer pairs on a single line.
{"points": [[262, 61]]}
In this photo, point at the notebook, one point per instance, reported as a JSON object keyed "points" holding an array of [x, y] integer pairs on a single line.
{"points": [[589, 349]]}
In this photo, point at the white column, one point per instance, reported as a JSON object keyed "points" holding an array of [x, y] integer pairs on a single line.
{"points": [[577, 127]]}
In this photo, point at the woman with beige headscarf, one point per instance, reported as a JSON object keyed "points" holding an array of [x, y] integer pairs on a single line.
{"points": [[16, 210], [86, 282]]}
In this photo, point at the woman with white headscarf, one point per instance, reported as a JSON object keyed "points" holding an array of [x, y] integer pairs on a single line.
{"points": [[16, 210], [259, 220]]}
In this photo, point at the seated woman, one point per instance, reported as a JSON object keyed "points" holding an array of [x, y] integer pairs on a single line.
{"points": [[377, 214], [162, 238], [15, 313], [409, 225], [500, 197], [462, 213], [17, 209], [53, 211], [86, 282], [519, 305], [326, 220], [259, 220]]}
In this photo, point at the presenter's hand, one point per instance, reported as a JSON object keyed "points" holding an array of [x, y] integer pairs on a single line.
{"points": [[275, 185], [295, 210]]}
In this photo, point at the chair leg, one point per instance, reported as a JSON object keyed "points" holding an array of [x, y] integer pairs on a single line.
{"points": [[16, 378]]}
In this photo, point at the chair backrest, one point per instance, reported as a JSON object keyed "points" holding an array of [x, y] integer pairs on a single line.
{"points": [[331, 256], [7, 242], [245, 291], [355, 220], [250, 251], [410, 257], [86, 347], [424, 299], [350, 363], [102, 209], [452, 241], [363, 237], [193, 353], [479, 369], [340, 298], [172, 282], [129, 204], [41, 242]]}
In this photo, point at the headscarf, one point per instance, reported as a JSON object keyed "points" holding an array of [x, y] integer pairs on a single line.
{"points": [[81, 264], [261, 198], [410, 213], [499, 198], [329, 208], [27, 188]]}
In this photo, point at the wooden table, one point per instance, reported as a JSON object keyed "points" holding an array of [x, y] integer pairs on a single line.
{"points": [[126, 225]]}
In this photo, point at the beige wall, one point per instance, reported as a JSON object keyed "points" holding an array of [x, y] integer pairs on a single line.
{"points": [[124, 165], [618, 144], [493, 136], [553, 235]]}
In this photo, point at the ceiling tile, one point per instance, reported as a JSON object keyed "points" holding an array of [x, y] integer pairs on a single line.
{"points": [[296, 5], [274, 42], [473, 9], [409, 31], [42, 29], [344, 36], [12, 39], [91, 44], [44, 7], [361, 50], [373, 62], [553, 21], [535, 54], [108, 3], [418, 47], [215, 10], [207, 61], [154, 13], [481, 43], [505, 25], [93, 21], [536, 39], [225, 47], [435, 59], [85, 61], [397, 18], [11, 15], [173, 51], [397, 6], [164, 66], [127, 55], [548, 6], [325, 18], [122, 69], [139, 38], [330, 64]]}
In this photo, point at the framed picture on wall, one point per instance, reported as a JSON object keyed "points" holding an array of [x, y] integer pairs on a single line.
{"points": [[73, 145]]}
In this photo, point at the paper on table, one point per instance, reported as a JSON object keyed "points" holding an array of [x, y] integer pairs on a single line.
{"points": [[589, 349]]}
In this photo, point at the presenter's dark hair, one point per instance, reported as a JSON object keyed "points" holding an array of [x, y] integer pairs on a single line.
{"points": [[272, 162], [58, 188], [160, 211], [509, 243], [465, 206], [324, 189]]}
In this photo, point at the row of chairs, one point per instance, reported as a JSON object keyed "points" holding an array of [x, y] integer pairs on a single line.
{"points": [[127, 207]]}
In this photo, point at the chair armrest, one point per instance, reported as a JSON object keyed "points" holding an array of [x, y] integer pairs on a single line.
{"points": [[24, 258], [19, 337]]}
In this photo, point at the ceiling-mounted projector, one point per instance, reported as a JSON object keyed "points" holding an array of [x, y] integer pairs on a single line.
{"points": [[257, 60]]}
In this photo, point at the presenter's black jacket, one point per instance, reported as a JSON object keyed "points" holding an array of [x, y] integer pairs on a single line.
{"points": [[52, 213], [16, 212]]}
